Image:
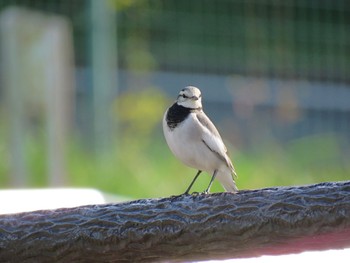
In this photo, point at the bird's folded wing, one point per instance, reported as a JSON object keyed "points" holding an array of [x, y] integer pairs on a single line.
{"points": [[212, 139]]}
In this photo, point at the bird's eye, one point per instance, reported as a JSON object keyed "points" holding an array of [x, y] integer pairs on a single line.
{"points": [[184, 96]]}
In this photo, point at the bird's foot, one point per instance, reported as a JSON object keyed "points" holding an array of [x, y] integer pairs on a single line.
{"points": [[193, 193]]}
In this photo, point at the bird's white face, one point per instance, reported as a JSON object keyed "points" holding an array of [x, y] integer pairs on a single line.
{"points": [[190, 97]]}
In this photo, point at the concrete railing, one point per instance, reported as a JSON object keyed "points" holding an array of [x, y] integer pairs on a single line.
{"points": [[268, 221]]}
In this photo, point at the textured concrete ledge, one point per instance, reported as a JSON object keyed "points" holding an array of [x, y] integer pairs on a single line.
{"points": [[277, 220]]}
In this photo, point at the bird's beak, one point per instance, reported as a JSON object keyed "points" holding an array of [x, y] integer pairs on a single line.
{"points": [[194, 98]]}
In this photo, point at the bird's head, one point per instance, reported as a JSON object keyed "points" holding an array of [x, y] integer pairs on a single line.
{"points": [[190, 97]]}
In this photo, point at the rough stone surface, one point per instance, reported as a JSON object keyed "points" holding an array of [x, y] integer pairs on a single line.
{"points": [[180, 228]]}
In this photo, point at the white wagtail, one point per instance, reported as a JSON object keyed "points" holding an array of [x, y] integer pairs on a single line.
{"points": [[194, 139]]}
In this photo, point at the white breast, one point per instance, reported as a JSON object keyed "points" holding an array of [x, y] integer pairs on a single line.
{"points": [[185, 142]]}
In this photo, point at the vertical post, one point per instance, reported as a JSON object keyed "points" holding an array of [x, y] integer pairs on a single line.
{"points": [[37, 55], [104, 69], [13, 84], [58, 49]]}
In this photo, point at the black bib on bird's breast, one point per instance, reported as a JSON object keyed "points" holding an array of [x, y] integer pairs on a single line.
{"points": [[177, 114]]}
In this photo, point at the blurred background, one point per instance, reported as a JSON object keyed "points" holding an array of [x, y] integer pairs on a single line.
{"points": [[85, 83]]}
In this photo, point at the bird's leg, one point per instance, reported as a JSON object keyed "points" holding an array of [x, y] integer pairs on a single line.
{"points": [[195, 178], [211, 182]]}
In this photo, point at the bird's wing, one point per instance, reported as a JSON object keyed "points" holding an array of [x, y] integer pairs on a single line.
{"points": [[212, 139]]}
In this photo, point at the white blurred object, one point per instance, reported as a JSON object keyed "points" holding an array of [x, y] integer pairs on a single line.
{"points": [[16, 201], [339, 256]]}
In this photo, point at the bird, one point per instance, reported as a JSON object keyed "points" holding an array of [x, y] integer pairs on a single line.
{"points": [[195, 141]]}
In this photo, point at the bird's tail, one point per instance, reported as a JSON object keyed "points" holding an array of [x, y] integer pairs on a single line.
{"points": [[226, 179]]}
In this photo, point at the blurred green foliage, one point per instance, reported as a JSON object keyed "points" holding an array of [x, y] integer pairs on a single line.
{"points": [[139, 163]]}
